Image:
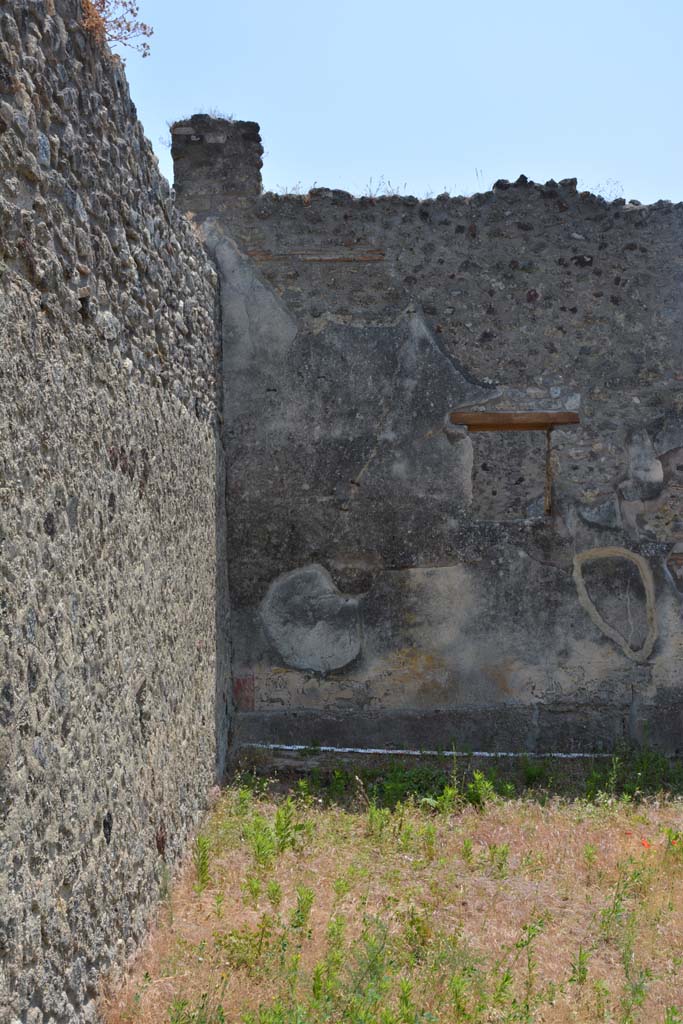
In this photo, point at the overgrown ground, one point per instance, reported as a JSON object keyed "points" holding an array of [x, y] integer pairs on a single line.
{"points": [[408, 897]]}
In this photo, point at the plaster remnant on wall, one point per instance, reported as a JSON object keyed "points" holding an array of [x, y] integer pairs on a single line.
{"points": [[642, 654], [259, 327], [638, 493], [673, 569], [311, 625]]}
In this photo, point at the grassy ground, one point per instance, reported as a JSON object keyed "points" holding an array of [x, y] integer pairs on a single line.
{"points": [[408, 897]]}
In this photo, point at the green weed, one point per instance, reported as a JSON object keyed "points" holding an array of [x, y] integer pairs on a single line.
{"points": [[164, 882], [428, 836], [200, 856], [378, 818], [480, 791], [288, 832], [447, 802], [302, 910], [534, 773], [615, 912], [602, 996], [252, 890], [498, 859], [274, 893], [579, 967], [525, 947], [261, 839], [180, 1012], [634, 772], [417, 932], [244, 948], [341, 887]]}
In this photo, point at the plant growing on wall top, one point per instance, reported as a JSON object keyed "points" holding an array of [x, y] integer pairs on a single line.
{"points": [[116, 21]]}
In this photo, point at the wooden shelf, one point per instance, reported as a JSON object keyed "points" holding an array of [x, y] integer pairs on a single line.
{"points": [[481, 421]]}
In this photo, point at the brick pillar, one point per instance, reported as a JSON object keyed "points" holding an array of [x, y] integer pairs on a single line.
{"points": [[213, 157]]}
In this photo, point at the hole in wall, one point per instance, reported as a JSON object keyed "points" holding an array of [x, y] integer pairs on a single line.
{"points": [[508, 474]]}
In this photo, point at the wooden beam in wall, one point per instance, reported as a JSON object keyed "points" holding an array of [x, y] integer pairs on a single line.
{"points": [[483, 421], [340, 256]]}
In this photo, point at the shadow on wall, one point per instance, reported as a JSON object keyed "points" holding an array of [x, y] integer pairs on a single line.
{"points": [[223, 702]]}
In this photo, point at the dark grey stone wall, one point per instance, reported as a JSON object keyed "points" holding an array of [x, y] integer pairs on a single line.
{"points": [[112, 728], [394, 579]]}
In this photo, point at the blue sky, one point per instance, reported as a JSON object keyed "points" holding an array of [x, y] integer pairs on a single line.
{"points": [[431, 96]]}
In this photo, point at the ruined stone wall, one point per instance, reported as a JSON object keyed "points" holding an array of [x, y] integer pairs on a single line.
{"points": [[111, 729], [394, 579]]}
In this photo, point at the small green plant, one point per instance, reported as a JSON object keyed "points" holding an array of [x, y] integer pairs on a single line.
{"points": [[602, 995], [636, 990], [407, 1011], [302, 910], [218, 902], [252, 890], [261, 839], [244, 947], [503, 987], [673, 1015], [674, 842], [534, 773], [480, 791], [637, 978], [378, 819], [449, 800], [532, 862], [274, 893], [498, 859], [164, 883], [468, 851], [579, 967], [181, 1012], [428, 836], [339, 785], [245, 800], [303, 792], [137, 998], [341, 886], [200, 856], [406, 838], [418, 932], [287, 831], [616, 911], [459, 992], [445, 803], [525, 947]]}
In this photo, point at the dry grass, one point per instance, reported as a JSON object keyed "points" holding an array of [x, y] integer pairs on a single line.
{"points": [[431, 911]]}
